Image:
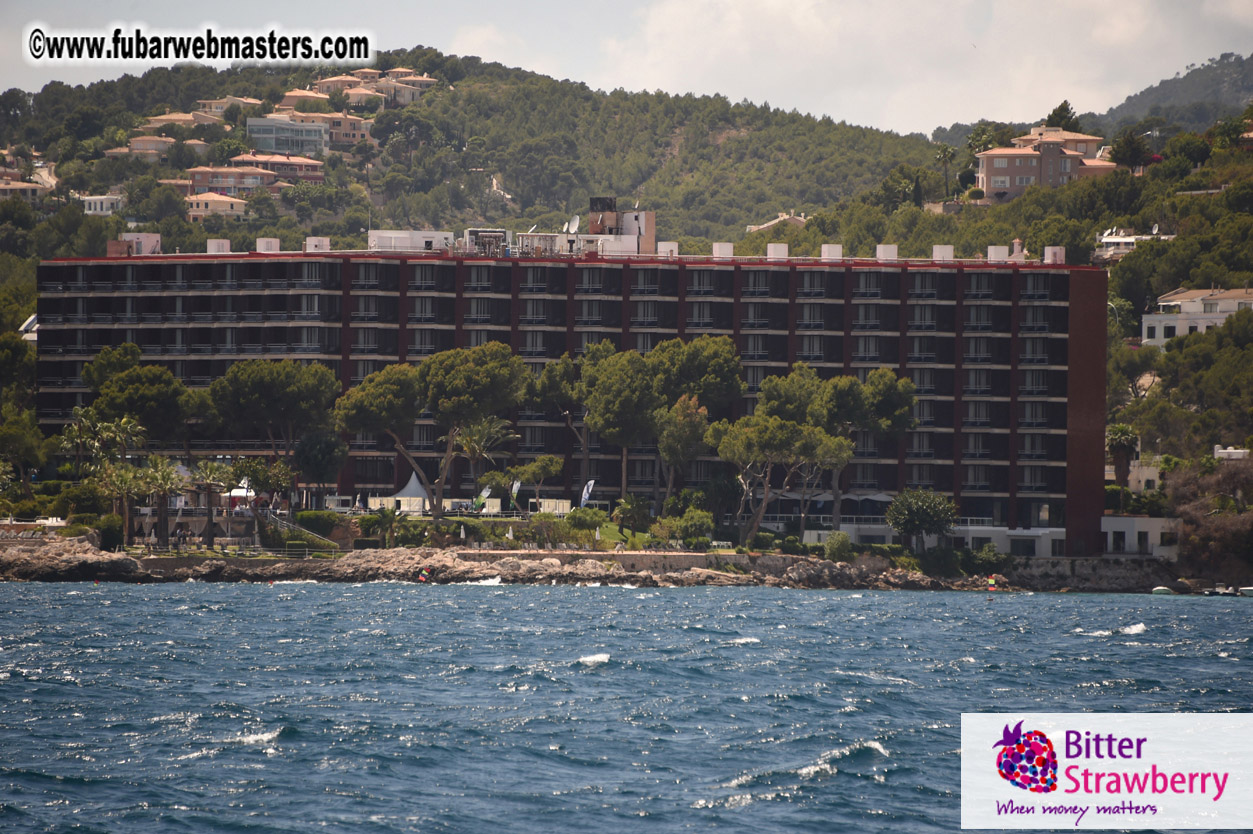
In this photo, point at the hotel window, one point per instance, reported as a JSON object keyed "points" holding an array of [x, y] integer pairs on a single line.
{"points": [[1037, 287], [865, 476], [591, 281], [921, 475], [810, 317], [755, 314], [1033, 478], [924, 412], [645, 282], [978, 381], [922, 317], [979, 285], [480, 279], [702, 282], [480, 311], [1035, 320], [868, 285], [533, 313], [365, 341], [423, 343], [867, 317], [702, 314], [589, 313], [813, 285], [755, 347], [923, 380], [864, 445], [1034, 414], [475, 338], [645, 342], [1035, 351], [976, 477], [1032, 447], [587, 338], [756, 283], [978, 317], [423, 309], [811, 349], [921, 348], [753, 375], [645, 314], [867, 349], [976, 446], [978, 349], [924, 285], [534, 343], [1035, 381], [920, 445], [977, 413]]}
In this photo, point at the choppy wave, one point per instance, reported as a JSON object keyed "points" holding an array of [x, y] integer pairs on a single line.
{"points": [[393, 707]]}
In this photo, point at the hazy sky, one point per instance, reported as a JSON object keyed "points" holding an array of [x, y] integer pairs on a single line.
{"points": [[902, 65]]}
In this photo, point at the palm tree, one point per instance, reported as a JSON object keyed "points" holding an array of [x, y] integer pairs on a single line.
{"points": [[1121, 442], [632, 512], [477, 441], [389, 522], [121, 481], [212, 476], [162, 479], [945, 155], [81, 436]]}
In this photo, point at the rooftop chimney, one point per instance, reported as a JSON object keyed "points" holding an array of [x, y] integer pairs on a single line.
{"points": [[776, 251], [998, 253], [724, 250], [942, 252], [217, 246], [885, 252], [268, 244], [1055, 254], [668, 248], [832, 251]]}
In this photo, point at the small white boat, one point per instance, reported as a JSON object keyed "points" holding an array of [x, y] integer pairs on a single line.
{"points": [[1162, 590], [1246, 592]]}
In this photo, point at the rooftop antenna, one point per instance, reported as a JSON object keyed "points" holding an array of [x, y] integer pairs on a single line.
{"points": [[533, 228]]}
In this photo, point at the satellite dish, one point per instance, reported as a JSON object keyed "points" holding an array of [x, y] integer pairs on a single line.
{"points": [[574, 224], [601, 219], [1154, 228], [637, 204], [533, 228]]}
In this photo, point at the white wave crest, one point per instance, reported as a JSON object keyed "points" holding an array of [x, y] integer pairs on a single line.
{"points": [[256, 738], [593, 659], [1138, 628], [744, 641]]}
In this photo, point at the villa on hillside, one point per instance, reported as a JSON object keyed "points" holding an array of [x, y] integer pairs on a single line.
{"points": [[1183, 311], [1047, 156]]}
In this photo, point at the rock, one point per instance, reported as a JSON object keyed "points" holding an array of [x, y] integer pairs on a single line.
{"points": [[67, 560]]}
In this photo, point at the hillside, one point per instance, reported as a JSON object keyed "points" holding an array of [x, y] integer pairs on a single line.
{"points": [[707, 166]]}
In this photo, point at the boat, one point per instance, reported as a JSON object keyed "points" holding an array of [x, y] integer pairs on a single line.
{"points": [[1163, 591], [1221, 591], [1246, 592]]}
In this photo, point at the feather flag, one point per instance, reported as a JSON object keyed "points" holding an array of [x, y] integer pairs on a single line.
{"points": [[482, 499], [513, 494], [587, 492]]}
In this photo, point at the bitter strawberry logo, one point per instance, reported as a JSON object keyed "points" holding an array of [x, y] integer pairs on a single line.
{"points": [[1027, 760]]}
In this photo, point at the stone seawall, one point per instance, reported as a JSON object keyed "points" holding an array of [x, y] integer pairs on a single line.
{"points": [[1094, 573]]}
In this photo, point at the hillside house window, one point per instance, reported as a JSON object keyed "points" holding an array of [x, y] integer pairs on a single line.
{"points": [[1000, 182], [1024, 181], [1000, 162]]}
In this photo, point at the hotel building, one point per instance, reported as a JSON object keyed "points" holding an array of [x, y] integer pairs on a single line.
{"points": [[1008, 357]]}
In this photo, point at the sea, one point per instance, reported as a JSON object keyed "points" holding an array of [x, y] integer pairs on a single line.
{"points": [[391, 707]]}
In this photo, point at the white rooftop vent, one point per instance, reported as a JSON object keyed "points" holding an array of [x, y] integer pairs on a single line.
{"points": [[885, 252], [668, 248], [218, 246], [942, 252], [832, 251], [724, 250], [776, 251], [1055, 254], [268, 244], [998, 253], [317, 244]]}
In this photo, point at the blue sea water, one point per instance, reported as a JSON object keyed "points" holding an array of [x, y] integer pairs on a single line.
{"points": [[389, 707]]}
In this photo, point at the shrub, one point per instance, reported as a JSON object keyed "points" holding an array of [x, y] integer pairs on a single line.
{"points": [[699, 544], [110, 529], [664, 529], [761, 541], [366, 544], [975, 194], [587, 518], [85, 519], [695, 523], [546, 528], [50, 488], [70, 531], [321, 522], [82, 498], [792, 546], [838, 547], [31, 508], [986, 560], [941, 561]]}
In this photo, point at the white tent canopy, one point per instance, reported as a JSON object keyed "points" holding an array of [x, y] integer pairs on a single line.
{"points": [[413, 489]]}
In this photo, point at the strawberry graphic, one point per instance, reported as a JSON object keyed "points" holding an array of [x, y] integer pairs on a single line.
{"points": [[1027, 760]]}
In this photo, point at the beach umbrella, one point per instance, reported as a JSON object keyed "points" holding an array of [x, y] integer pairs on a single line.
{"points": [[463, 531], [509, 534]]}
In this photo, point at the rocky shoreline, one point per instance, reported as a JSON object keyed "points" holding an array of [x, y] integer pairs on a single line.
{"points": [[77, 560]]}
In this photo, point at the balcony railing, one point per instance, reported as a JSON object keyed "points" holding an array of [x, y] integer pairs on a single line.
{"points": [[698, 324], [532, 319], [755, 292], [755, 324], [811, 357], [866, 324], [700, 290], [589, 289], [1033, 359], [589, 321], [867, 293], [810, 324], [811, 292]]}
